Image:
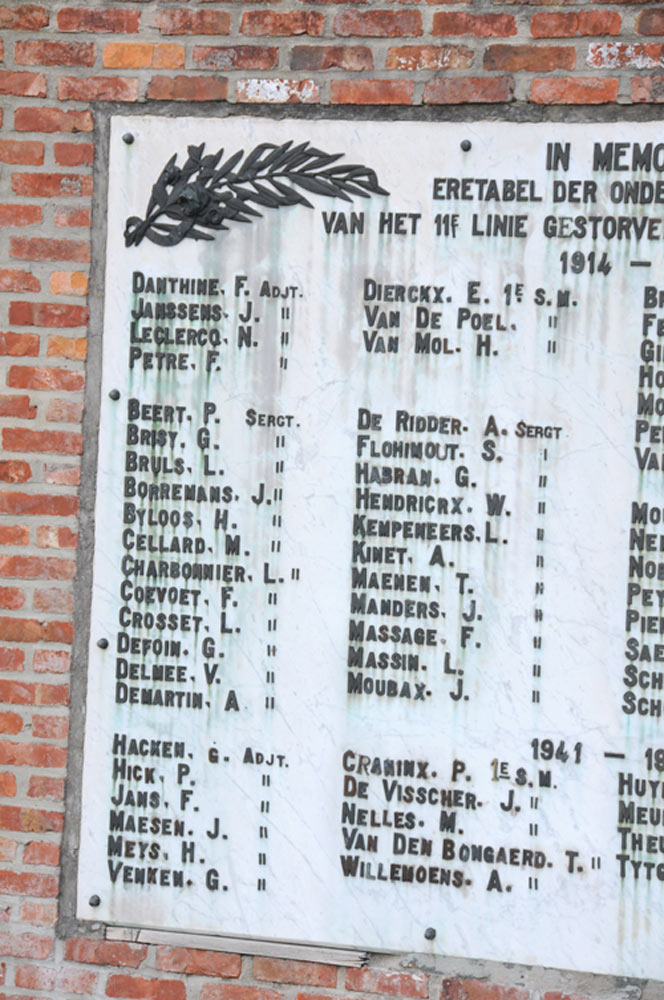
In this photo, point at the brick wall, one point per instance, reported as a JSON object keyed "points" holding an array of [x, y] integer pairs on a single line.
{"points": [[57, 64]]}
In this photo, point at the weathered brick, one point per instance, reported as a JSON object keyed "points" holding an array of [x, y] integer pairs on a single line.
{"points": [[26, 377], [469, 90], [574, 90], [47, 314], [566, 24], [19, 344], [37, 567], [72, 216], [31, 754], [13, 280], [529, 58], [269, 22], [25, 945], [20, 215], [44, 504], [194, 962], [62, 475], [272, 91], [39, 852], [616, 55], [39, 914], [37, 52], [140, 55], [8, 791], [28, 884], [52, 120], [218, 57], [53, 601], [42, 787], [23, 152], [39, 248], [479, 25], [651, 22], [178, 21], [279, 970], [371, 91], [25, 439], [97, 88], [22, 84], [52, 185], [478, 989], [25, 17], [53, 661], [14, 534], [95, 952], [648, 89], [411, 58], [233, 991], [11, 659], [11, 598], [69, 283], [378, 23], [75, 348], [399, 984], [140, 988], [352, 58], [15, 472], [10, 723], [73, 154], [95, 19], [187, 88]]}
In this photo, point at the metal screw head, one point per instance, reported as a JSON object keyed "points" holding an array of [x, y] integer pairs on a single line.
{"points": [[128, 138], [102, 643], [430, 933], [114, 394], [466, 145], [94, 900]]}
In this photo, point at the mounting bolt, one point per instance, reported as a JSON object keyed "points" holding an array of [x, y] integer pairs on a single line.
{"points": [[102, 643], [94, 900], [430, 933], [114, 394], [128, 138], [466, 145]]}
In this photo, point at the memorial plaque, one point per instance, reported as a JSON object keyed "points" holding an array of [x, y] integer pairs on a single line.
{"points": [[376, 632]]}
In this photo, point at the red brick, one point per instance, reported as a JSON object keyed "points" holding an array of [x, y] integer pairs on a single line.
{"points": [[529, 58], [38, 852], [269, 22], [648, 88], [74, 348], [194, 962], [469, 90], [616, 55], [43, 787], [573, 90], [19, 345], [90, 19], [62, 475], [69, 215], [275, 91], [371, 92], [280, 970], [39, 248], [40, 914], [22, 84], [187, 88], [7, 853], [95, 952], [477, 989], [14, 534], [50, 727], [51, 314], [28, 884], [11, 598], [25, 945], [12, 280], [14, 151], [38, 503], [139, 988], [398, 984], [31, 754], [25, 17], [52, 120], [10, 723], [216, 57], [232, 991], [37, 567], [378, 23], [11, 659], [651, 22], [26, 377], [411, 58], [567, 24], [29, 821], [73, 154], [53, 601], [8, 791], [17, 693], [41, 53], [15, 471], [53, 661], [20, 215], [51, 536], [97, 88], [479, 25], [52, 185], [69, 283], [177, 21], [140, 55], [557, 995], [352, 58]]}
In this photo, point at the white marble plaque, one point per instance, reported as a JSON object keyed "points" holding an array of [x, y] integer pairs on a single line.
{"points": [[379, 555]]}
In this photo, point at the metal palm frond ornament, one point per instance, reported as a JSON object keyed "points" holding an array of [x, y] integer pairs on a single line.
{"points": [[205, 193]]}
